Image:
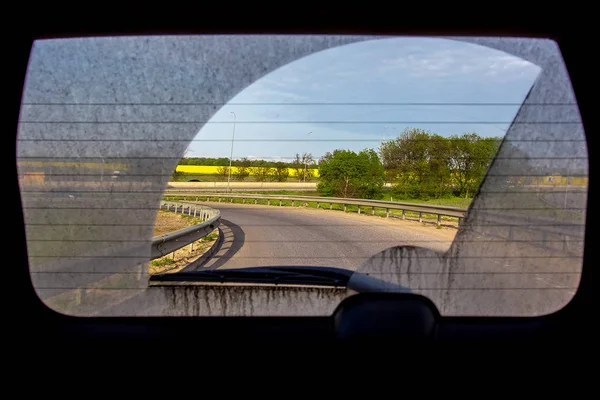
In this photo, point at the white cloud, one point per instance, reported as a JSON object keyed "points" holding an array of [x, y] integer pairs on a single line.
{"points": [[380, 71], [472, 61]]}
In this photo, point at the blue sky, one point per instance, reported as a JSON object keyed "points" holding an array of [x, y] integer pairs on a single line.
{"points": [[283, 113]]}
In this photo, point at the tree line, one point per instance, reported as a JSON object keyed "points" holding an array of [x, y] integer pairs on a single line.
{"points": [[419, 164], [302, 167], [298, 161], [422, 164]]}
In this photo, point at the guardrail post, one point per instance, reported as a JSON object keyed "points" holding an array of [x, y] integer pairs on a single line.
{"points": [[197, 198], [331, 206], [403, 214], [358, 210], [219, 199], [255, 201], [280, 203], [243, 200], [208, 198], [231, 199], [344, 208], [195, 209], [373, 211], [292, 203], [459, 221], [268, 202], [387, 212], [439, 221], [420, 217], [318, 204]]}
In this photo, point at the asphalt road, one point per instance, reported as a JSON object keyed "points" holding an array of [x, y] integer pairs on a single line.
{"points": [[488, 278], [284, 236]]}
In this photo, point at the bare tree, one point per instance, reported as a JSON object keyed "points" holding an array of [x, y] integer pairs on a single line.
{"points": [[307, 158], [298, 167]]}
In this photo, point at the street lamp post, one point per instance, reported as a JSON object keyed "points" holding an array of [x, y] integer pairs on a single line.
{"points": [[231, 155]]}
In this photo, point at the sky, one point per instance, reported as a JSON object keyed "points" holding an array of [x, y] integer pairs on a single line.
{"points": [[354, 96]]}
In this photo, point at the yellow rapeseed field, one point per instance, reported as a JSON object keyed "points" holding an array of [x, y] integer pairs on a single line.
{"points": [[209, 169]]}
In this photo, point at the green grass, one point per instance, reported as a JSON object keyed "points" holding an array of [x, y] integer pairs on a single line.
{"points": [[381, 212], [450, 201], [162, 262], [313, 193], [527, 204], [191, 219], [209, 237], [460, 202]]}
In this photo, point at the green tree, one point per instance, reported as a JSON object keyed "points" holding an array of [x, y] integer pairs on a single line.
{"points": [[262, 172], [223, 172], [470, 158], [439, 178], [515, 166], [281, 172], [409, 155], [242, 169], [345, 173]]}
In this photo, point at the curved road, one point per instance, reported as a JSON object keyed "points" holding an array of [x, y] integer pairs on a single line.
{"points": [[256, 235]]}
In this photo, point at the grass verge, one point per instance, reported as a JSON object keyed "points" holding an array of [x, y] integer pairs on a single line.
{"points": [[380, 212]]}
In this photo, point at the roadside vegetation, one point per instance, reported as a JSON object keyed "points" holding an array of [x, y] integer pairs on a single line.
{"points": [[301, 169], [168, 221], [418, 166]]}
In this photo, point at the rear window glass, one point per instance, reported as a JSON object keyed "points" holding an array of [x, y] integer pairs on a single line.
{"points": [[277, 175]]}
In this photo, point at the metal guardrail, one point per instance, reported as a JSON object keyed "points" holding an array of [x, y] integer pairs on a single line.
{"points": [[440, 211], [169, 242], [531, 228]]}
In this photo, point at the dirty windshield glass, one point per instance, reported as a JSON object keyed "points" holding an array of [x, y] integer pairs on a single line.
{"points": [[277, 175]]}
